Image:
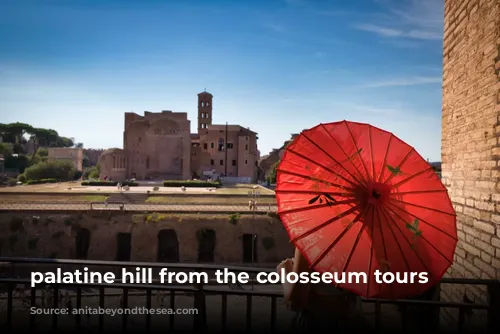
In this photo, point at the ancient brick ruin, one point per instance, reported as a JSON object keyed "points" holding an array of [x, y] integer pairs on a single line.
{"points": [[470, 141]]}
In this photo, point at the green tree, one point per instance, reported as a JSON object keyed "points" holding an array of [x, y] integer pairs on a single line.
{"points": [[19, 162], [63, 142], [271, 174], [85, 162], [93, 172], [42, 137], [43, 152], [5, 149], [59, 170], [18, 130]]}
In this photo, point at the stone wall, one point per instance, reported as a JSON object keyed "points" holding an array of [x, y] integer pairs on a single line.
{"points": [[55, 235], [470, 144]]}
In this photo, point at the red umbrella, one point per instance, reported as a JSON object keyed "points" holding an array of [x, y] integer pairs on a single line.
{"points": [[356, 199]]}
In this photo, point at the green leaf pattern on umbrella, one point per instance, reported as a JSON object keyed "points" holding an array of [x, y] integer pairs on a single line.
{"points": [[384, 265], [413, 227], [394, 170]]}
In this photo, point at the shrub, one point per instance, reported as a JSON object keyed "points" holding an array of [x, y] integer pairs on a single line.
{"points": [[108, 183], [11, 182], [92, 172], [21, 178], [59, 170], [191, 183], [41, 181], [78, 175]]}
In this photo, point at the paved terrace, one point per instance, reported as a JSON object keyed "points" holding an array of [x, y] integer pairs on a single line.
{"points": [[75, 187], [178, 208]]}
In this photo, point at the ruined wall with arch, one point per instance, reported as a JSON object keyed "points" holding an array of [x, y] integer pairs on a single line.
{"points": [[152, 237], [158, 145], [113, 164]]}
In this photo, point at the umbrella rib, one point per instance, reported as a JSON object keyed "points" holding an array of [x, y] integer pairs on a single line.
{"points": [[370, 261], [323, 225], [377, 213], [421, 236], [313, 192], [308, 177], [424, 207], [400, 164], [334, 242], [370, 140], [408, 242], [327, 168], [418, 192], [405, 260], [411, 177], [318, 206], [382, 170], [320, 165], [357, 150], [348, 157], [423, 221], [355, 243]]}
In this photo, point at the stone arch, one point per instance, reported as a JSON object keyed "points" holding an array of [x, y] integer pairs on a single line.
{"points": [[82, 244], [168, 246], [123, 246], [206, 245], [137, 126], [249, 243]]}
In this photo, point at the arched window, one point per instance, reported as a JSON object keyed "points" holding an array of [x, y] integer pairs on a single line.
{"points": [[221, 144], [206, 245], [168, 246]]}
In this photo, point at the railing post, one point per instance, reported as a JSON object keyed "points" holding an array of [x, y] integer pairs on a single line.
{"points": [[200, 319], [494, 310], [426, 317]]}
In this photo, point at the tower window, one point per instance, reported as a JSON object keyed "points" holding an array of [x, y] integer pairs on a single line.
{"points": [[203, 104], [207, 104], [202, 115], [221, 144]]}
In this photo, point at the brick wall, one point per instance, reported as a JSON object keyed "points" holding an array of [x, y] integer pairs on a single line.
{"points": [[470, 141]]}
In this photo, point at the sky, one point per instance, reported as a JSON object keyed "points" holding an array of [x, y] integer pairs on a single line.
{"points": [[276, 66]]}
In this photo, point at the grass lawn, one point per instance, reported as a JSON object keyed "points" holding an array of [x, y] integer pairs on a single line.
{"points": [[206, 200], [243, 189], [52, 199]]}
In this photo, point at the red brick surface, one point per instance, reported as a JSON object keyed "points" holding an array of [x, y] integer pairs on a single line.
{"points": [[470, 141]]}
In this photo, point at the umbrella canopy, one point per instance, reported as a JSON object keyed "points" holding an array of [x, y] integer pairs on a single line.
{"points": [[355, 198]]}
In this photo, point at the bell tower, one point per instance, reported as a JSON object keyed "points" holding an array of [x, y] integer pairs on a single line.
{"points": [[204, 110]]}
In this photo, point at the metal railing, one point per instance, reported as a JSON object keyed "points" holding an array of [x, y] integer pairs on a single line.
{"points": [[151, 207], [19, 287]]}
